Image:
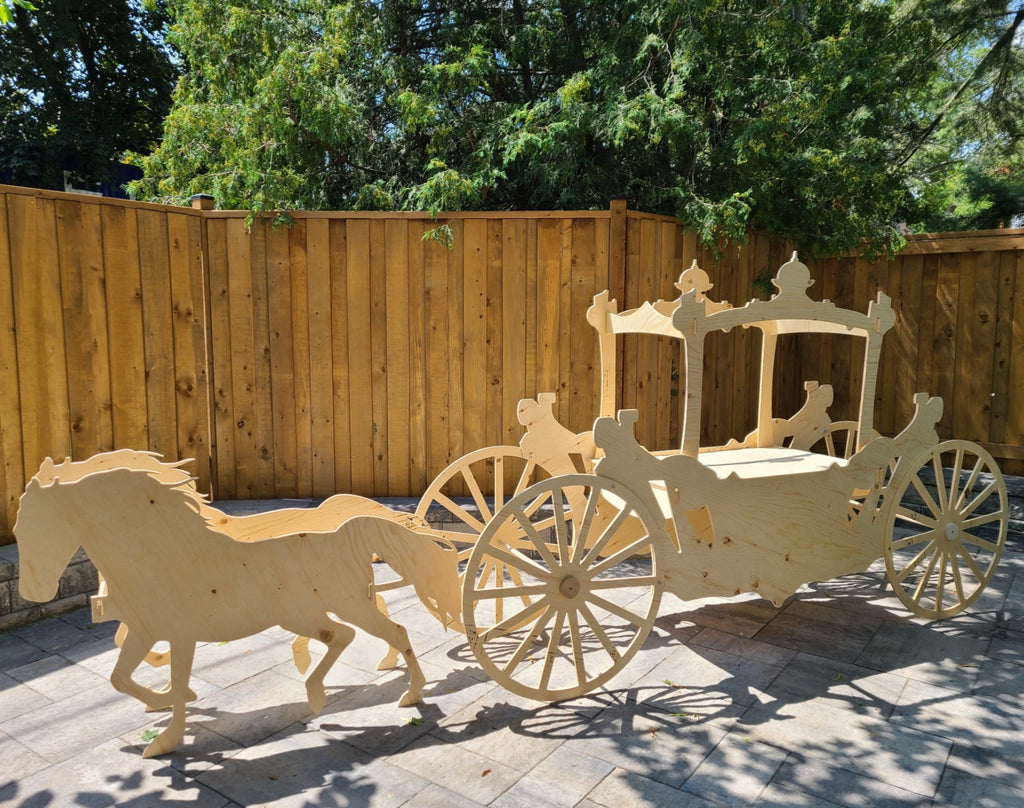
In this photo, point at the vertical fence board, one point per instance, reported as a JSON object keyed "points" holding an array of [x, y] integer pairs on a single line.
{"points": [[321, 377], [282, 359], [419, 473], [396, 255], [263, 391], [1015, 418], [1001, 355], [301, 358], [947, 302], [474, 306], [496, 428], [220, 335], [456, 341], [339, 357], [360, 374], [12, 458], [379, 370], [80, 240]]}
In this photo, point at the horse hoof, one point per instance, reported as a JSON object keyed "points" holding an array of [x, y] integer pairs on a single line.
{"points": [[162, 744], [317, 699], [388, 662], [409, 699]]}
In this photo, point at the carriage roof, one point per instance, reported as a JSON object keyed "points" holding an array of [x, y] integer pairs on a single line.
{"points": [[693, 315]]}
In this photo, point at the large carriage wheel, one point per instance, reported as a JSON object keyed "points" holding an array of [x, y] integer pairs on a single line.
{"points": [[574, 615], [946, 528]]}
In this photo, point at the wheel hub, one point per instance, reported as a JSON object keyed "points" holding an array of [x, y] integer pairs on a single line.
{"points": [[570, 586], [952, 531]]}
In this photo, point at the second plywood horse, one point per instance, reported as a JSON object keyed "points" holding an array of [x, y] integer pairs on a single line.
{"points": [[180, 580]]}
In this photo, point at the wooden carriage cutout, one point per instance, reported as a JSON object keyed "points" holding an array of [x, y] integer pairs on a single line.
{"points": [[567, 541]]}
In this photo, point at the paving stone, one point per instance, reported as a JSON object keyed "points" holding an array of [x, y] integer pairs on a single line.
{"points": [[959, 789], [897, 755], [560, 781], [821, 630], [706, 682], [54, 635], [744, 647], [56, 677], [989, 764], [65, 728], [776, 796], [297, 768], [253, 709], [15, 652], [809, 776], [199, 750], [986, 723], [434, 796], [841, 684], [82, 618], [18, 762], [736, 771], [932, 652], [16, 698], [225, 664], [744, 615], [105, 775], [1007, 645], [1000, 680], [649, 741], [626, 789], [456, 769]]}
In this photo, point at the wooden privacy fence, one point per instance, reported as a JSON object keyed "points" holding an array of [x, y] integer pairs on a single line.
{"points": [[350, 353]]}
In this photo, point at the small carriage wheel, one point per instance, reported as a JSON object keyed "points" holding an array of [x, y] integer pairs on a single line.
{"points": [[587, 613], [847, 432], [945, 529]]}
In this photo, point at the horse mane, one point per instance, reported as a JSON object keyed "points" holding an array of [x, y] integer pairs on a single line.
{"points": [[169, 475]]}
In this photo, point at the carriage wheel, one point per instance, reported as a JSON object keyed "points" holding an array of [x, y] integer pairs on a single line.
{"points": [[585, 613], [946, 528], [840, 440]]}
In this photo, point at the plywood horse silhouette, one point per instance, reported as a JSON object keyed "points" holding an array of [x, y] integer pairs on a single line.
{"points": [[178, 579]]}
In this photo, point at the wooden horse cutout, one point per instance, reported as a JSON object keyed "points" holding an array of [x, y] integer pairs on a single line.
{"points": [[173, 577]]}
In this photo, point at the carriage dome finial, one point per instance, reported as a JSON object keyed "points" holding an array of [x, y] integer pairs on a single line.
{"points": [[793, 278], [694, 278]]}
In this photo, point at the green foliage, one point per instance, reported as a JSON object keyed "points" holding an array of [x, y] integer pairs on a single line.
{"points": [[795, 116], [80, 83]]}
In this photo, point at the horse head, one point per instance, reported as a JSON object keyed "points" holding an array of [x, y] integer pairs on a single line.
{"points": [[45, 545]]}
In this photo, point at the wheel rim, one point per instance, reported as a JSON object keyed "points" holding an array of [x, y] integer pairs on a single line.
{"points": [[946, 529], [571, 616]]}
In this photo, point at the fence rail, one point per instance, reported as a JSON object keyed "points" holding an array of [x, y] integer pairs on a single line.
{"points": [[356, 352]]}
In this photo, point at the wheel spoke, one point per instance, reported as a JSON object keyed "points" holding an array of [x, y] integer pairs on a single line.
{"points": [[970, 562], [615, 609], [510, 591], [524, 478], [524, 647], [606, 536], [977, 541], [940, 482], [926, 576], [977, 521], [518, 560], [509, 623], [926, 496], [916, 518], [619, 557], [902, 575], [577, 648], [985, 492], [553, 641], [599, 632], [955, 481], [535, 538], [940, 581], [584, 526], [958, 583], [459, 511], [478, 495], [917, 538], [561, 530], [971, 480]]}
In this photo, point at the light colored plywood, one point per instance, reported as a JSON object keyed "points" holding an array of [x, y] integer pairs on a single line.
{"points": [[82, 271], [321, 359], [150, 532]]}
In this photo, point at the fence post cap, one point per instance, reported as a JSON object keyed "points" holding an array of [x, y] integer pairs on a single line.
{"points": [[202, 201]]}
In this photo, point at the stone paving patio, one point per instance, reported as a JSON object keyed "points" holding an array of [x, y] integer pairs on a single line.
{"points": [[839, 698]]}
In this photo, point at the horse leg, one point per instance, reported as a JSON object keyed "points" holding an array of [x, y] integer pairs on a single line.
{"points": [[390, 660], [395, 635], [133, 650], [181, 671], [300, 653], [337, 639]]}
